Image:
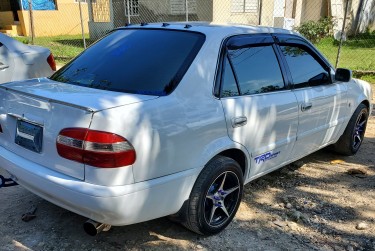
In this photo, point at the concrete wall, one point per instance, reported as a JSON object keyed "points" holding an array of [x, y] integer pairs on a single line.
{"points": [[63, 21], [101, 11], [222, 13], [298, 13], [205, 10], [362, 16], [99, 29], [160, 11], [314, 10], [267, 12]]}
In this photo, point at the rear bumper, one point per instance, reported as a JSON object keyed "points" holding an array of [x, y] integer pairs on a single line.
{"points": [[116, 205]]}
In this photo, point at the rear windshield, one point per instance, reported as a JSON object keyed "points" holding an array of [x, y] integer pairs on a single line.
{"points": [[141, 61]]}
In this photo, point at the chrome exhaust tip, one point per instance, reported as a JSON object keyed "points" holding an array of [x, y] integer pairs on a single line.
{"points": [[93, 228]]}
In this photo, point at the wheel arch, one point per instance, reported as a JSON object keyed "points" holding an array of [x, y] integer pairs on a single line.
{"points": [[237, 155], [226, 147], [366, 103]]}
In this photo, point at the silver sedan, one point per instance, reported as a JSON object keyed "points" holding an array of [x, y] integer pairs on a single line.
{"points": [[20, 61]]}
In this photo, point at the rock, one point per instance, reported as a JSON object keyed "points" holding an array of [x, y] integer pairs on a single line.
{"points": [[305, 218], [275, 206], [294, 215], [297, 164], [318, 210], [279, 223], [315, 219], [362, 226], [199, 247], [288, 205], [276, 217], [285, 199], [354, 171], [284, 171], [293, 226], [359, 173], [40, 244], [30, 214], [349, 248]]}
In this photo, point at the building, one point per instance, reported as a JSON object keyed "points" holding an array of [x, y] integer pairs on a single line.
{"points": [[108, 14], [62, 17], [51, 17]]}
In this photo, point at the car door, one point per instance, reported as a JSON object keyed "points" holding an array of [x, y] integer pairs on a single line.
{"points": [[261, 111], [6, 64], [322, 102]]}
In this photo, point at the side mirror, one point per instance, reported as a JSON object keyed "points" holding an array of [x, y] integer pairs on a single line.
{"points": [[343, 75]]}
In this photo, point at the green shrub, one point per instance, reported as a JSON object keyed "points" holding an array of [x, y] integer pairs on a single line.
{"points": [[316, 30]]}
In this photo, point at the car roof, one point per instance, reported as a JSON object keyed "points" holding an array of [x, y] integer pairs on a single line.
{"points": [[212, 29]]}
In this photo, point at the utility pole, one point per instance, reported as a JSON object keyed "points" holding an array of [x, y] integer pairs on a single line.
{"points": [[342, 33], [31, 21], [82, 28], [128, 8]]}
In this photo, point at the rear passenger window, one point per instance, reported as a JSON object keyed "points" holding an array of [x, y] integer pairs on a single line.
{"points": [[257, 69], [305, 69], [140, 61], [229, 82]]}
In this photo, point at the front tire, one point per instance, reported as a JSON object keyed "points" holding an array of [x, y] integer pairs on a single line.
{"points": [[215, 197], [351, 140]]}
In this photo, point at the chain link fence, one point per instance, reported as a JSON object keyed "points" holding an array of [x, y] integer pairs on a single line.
{"points": [[66, 26]]}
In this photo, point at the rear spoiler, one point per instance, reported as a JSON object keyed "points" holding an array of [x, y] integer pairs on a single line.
{"points": [[87, 109]]}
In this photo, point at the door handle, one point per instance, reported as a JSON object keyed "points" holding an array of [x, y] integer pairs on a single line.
{"points": [[306, 106], [239, 121]]}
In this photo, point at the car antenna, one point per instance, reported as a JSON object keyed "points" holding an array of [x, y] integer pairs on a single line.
{"points": [[165, 24], [187, 26]]}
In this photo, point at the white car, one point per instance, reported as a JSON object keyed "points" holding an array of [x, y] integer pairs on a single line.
{"points": [[19, 61], [173, 119]]}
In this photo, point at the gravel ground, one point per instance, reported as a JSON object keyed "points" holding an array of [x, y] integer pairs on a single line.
{"points": [[323, 202]]}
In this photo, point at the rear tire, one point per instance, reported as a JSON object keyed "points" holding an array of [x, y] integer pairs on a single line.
{"points": [[215, 197], [351, 140]]}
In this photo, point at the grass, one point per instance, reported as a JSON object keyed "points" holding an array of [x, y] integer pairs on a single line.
{"points": [[369, 78], [64, 48], [356, 54]]}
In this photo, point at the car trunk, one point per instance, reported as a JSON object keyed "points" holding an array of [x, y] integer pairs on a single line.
{"points": [[33, 112]]}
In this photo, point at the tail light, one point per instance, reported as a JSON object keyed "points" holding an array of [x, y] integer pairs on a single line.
{"points": [[95, 148], [51, 62]]}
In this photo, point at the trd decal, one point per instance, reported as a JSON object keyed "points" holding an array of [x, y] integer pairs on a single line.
{"points": [[266, 156]]}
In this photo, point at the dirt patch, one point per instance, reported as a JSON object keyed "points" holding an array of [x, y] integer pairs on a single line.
{"points": [[323, 202]]}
